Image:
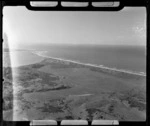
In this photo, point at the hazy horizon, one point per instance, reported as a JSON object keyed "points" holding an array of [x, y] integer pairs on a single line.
{"points": [[29, 28]]}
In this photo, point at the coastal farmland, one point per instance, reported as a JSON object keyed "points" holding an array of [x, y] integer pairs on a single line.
{"points": [[56, 89]]}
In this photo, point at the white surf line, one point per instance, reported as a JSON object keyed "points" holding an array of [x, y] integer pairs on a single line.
{"points": [[39, 53]]}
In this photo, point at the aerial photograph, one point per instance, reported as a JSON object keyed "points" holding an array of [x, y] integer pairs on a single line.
{"points": [[74, 65]]}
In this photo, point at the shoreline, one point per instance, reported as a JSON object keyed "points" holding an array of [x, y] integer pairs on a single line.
{"points": [[40, 53]]}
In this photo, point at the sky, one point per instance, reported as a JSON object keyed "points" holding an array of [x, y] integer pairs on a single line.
{"points": [[26, 27]]}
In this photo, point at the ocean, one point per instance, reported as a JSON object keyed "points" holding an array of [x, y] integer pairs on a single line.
{"points": [[129, 58]]}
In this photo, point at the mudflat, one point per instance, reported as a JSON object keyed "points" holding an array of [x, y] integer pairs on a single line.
{"points": [[57, 89]]}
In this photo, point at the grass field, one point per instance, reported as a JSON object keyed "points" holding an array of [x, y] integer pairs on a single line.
{"points": [[52, 89]]}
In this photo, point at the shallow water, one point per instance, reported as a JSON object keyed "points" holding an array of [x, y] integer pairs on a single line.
{"points": [[20, 58]]}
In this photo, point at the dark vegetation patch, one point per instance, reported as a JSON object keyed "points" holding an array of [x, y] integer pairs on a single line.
{"points": [[135, 98], [7, 84], [69, 117], [105, 110], [102, 114], [91, 111], [50, 108], [7, 103], [26, 104], [111, 108], [60, 87], [7, 100], [7, 95], [37, 65], [98, 104], [26, 75], [138, 94], [55, 88], [7, 89], [30, 77], [61, 102], [134, 103], [63, 64], [80, 101], [26, 67], [7, 73], [47, 78]]}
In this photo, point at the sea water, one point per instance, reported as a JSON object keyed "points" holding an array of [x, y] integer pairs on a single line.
{"points": [[130, 58]]}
